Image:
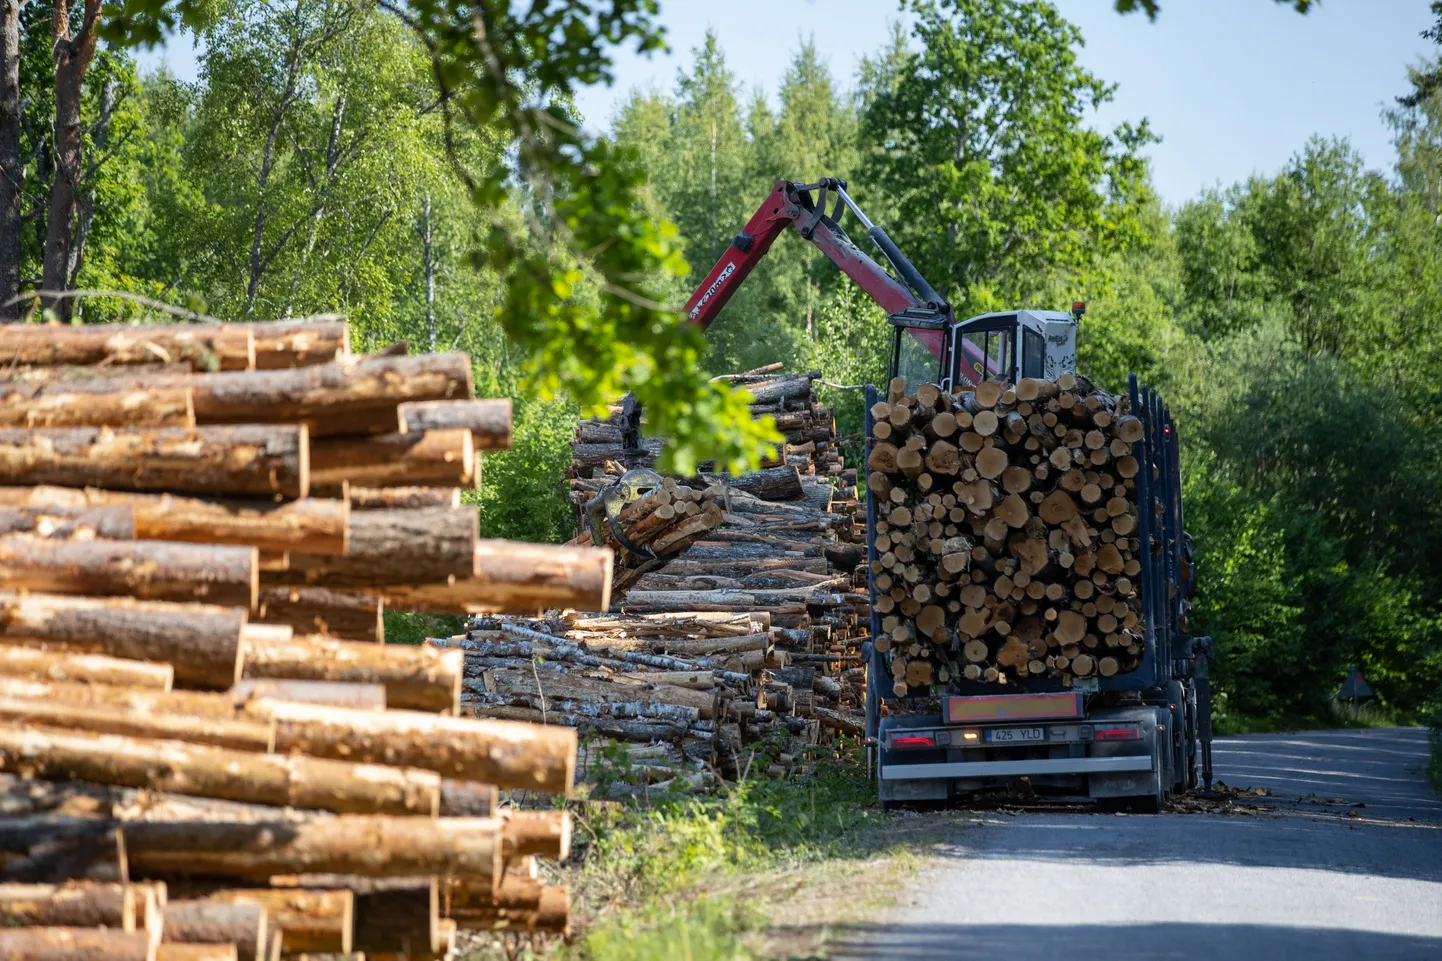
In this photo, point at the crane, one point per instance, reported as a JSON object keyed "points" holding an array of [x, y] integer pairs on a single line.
{"points": [[929, 345]]}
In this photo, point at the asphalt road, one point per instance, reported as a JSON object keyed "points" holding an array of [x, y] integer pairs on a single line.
{"points": [[1344, 860]]}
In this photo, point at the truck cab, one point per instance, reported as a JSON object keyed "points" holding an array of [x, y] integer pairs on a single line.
{"points": [[930, 347]]}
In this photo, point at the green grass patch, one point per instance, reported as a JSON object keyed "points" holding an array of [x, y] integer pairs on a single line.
{"points": [[687, 877]]}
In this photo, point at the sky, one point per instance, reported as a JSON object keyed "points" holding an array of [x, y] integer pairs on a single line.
{"points": [[1233, 87]]}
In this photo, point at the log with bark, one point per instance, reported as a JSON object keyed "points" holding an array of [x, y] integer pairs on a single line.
{"points": [[349, 615], [392, 547], [416, 678], [202, 642], [310, 525], [75, 944], [63, 522], [82, 904], [438, 458], [1011, 557], [245, 460], [203, 347], [39, 664], [489, 421], [226, 575], [244, 924], [309, 921]]}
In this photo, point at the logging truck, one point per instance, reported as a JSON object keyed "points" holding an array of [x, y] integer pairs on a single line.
{"points": [[1036, 641]]}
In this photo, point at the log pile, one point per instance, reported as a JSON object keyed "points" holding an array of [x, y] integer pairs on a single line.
{"points": [[1006, 532], [204, 752], [738, 613]]}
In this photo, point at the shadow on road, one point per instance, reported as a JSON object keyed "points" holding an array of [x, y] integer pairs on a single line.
{"points": [[1405, 851], [1123, 942]]}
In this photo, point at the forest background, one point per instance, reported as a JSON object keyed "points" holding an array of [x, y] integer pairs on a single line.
{"points": [[1293, 321]]}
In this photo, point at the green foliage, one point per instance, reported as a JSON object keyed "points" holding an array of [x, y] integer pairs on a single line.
{"points": [[1152, 7], [523, 493], [406, 627], [980, 140], [664, 854]]}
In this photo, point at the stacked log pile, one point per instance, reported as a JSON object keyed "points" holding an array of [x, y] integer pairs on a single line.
{"points": [[1006, 532], [205, 751], [738, 613]]}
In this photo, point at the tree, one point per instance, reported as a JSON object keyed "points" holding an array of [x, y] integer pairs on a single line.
{"points": [[980, 142], [1428, 81], [12, 172]]}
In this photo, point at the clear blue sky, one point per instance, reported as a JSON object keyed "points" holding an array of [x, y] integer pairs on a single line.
{"points": [[1232, 86]]}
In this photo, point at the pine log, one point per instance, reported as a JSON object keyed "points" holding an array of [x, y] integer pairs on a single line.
{"points": [[239, 734], [240, 460], [201, 641], [74, 944], [311, 525], [309, 921], [18, 661], [197, 952], [550, 914], [148, 570], [331, 398], [205, 771], [360, 697], [241, 923], [403, 919], [298, 343], [489, 421], [521, 756], [349, 615], [372, 846], [68, 403], [394, 547], [544, 834], [515, 578], [416, 678], [81, 904], [437, 458], [203, 347], [69, 523], [404, 498]]}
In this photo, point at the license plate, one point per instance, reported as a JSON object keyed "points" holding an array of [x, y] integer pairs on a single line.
{"points": [[1007, 735]]}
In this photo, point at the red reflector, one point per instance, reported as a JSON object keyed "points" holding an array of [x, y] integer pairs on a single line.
{"points": [[1117, 734], [913, 742]]}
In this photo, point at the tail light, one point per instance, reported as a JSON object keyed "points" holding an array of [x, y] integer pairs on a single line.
{"points": [[1117, 734], [912, 741]]}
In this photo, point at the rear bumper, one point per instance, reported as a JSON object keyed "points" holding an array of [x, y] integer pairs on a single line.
{"points": [[1023, 768]]}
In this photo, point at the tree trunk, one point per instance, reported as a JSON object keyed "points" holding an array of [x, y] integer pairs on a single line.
{"points": [[207, 771], [349, 615], [415, 678], [261, 460], [404, 498], [147, 570], [12, 174], [551, 913], [72, 61], [393, 547], [202, 347], [360, 697], [371, 846], [100, 136], [60, 405], [17, 661], [235, 734], [428, 269], [75, 944], [309, 525], [515, 578], [489, 421], [545, 834], [201, 641], [69, 523], [439, 458], [241, 923], [520, 756], [80, 904], [309, 921]]}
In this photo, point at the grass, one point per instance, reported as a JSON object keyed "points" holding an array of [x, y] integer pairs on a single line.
{"points": [[764, 868]]}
